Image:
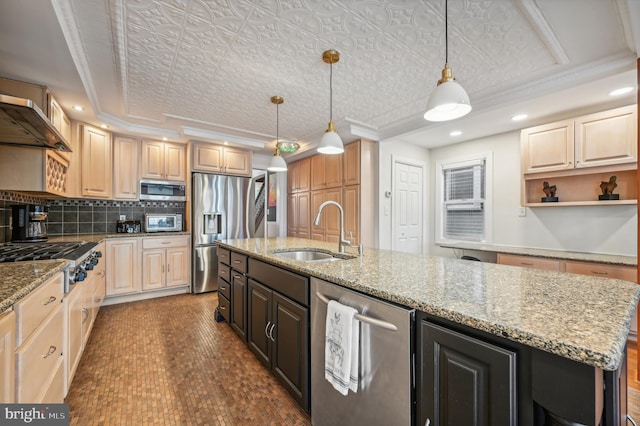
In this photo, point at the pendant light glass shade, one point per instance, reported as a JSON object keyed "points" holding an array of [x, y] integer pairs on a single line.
{"points": [[331, 143], [449, 100], [277, 163]]}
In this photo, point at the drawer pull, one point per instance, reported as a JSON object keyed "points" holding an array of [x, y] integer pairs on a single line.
{"points": [[223, 308], [236, 261], [85, 312], [52, 349], [51, 300], [526, 264], [166, 242], [237, 276], [600, 272]]}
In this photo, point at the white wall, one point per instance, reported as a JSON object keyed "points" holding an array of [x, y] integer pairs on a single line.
{"points": [[597, 229], [389, 151]]}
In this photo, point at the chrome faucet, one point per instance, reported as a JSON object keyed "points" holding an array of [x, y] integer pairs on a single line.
{"points": [[342, 242]]}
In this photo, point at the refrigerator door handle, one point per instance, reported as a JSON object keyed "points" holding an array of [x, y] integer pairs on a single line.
{"points": [[246, 210]]}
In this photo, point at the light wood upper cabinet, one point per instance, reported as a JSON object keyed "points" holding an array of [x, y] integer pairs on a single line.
{"points": [[221, 159], [47, 170], [607, 138], [59, 119], [549, 147], [299, 176], [96, 162], [326, 171], [351, 200], [163, 161], [7, 357], [123, 260], [351, 164], [125, 168], [329, 227]]}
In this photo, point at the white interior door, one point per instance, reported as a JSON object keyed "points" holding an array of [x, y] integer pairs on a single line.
{"points": [[408, 208]]}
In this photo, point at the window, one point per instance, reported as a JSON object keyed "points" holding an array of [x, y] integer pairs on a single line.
{"points": [[463, 212]]}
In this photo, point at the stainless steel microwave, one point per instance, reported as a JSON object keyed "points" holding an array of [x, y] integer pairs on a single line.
{"points": [[162, 190]]}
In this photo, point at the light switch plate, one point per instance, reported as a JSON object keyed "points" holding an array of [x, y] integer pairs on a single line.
{"points": [[522, 212], [123, 217]]}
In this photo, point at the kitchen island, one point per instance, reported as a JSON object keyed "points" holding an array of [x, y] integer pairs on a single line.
{"points": [[564, 317]]}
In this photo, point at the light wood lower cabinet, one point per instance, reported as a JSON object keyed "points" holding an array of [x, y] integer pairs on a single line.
{"points": [[298, 217], [165, 262], [529, 262], [7, 357], [122, 262], [74, 317], [39, 352]]}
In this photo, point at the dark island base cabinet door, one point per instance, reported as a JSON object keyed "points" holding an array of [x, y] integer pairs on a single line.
{"points": [[259, 301], [464, 381], [239, 304], [290, 354]]}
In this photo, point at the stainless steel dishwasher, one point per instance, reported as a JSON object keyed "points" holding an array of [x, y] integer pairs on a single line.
{"points": [[386, 370]]}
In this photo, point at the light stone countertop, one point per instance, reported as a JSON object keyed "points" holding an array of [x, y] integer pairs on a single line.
{"points": [[582, 318], [18, 279], [96, 238], [610, 259]]}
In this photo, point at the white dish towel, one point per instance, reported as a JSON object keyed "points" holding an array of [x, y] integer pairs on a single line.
{"points": [[341, 347]]}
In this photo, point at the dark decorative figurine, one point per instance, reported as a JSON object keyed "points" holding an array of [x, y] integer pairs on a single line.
{"points": [[550, 192], [607, 190]]}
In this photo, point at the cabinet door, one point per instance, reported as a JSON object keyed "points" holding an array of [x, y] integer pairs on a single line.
{"points": [[259, 321], [239, 304], [177, 266], [291, 346], [292, 214], [125, 168], [317, 231], [96, 163], [207, 158], [153, 269], [237, 162], [464, 381], [333, 171], [304, 215], [174, 162], [332, 215], [292, 173], [304, 175], [122, 260], [351, 163], [351, 199], [152, 160], [75, 315], [318, 177], [607, 138], [7, 357], [547, 148]]}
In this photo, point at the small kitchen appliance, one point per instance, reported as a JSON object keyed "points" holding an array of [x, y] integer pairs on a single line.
{"points": [[162, 190], [29, 223], [155, 222], [128, 227]]}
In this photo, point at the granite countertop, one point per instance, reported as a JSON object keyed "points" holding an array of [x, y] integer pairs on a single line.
{"points": [[96, 238], [21, 278], [611, 259], [582, 318]]}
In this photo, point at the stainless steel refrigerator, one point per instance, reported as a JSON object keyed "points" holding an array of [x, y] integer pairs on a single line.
{"points": [[223, 207]]}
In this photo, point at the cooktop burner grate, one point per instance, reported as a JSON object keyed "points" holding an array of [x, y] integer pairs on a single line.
{"points": [[41, 251]]}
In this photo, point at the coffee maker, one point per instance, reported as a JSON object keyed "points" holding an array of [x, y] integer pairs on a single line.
{"points": [[29, 223]]}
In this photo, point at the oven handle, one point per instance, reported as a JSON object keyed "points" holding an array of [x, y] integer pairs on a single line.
{"points": [[363, 318]]}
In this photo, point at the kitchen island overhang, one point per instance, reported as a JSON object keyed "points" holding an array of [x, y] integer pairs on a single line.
{"points": [[581, 318]]}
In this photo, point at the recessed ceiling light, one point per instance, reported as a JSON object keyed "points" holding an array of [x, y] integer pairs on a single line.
{"points": [[519, 117], [104, 126], [164, 138], [621, 91], [78, 107], [455, 133], [226, 143]]}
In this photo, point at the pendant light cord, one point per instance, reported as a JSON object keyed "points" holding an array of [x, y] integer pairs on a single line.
{"points": [[446, 33], [331, 91], [277, 124]]}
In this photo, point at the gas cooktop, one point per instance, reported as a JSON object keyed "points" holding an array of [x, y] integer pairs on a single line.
{"points": [[18, 252]]}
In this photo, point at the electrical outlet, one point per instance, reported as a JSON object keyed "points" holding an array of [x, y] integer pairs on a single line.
{"points": [[522, 212], [123, 217]]}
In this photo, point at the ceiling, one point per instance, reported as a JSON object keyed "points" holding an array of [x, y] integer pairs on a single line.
{"points": [[206, 69]]}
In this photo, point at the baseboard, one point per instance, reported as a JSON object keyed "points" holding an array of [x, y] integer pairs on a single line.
{"points": [[125, 298]]}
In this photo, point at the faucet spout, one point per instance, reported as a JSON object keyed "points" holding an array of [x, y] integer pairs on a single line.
{"points": [[342, 242]]}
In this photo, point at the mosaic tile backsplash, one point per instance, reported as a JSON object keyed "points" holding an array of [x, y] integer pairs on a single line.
{"points": [[72, 217]]}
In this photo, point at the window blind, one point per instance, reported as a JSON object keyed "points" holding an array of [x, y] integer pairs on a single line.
{"points": [[463, 203]]}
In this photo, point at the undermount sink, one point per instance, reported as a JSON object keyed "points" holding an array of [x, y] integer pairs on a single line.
{"points": [[311, 255]]}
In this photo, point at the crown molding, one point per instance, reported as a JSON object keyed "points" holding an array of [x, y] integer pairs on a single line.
{"points": [[137, 128], [532, 13], [194, 132]]}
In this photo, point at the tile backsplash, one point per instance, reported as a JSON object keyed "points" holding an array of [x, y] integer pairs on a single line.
{"points": [[74, 217]]}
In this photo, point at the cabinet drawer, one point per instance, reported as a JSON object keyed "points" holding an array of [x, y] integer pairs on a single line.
{"points": [[224, 288], [224, 306], [529, 262], [165, 242], [626, 273], [224, 256], [238, 261], [33, 309], [224, 272], [38, 359]]}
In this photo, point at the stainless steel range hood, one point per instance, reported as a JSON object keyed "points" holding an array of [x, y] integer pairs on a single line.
{"points": [[23, 123]]}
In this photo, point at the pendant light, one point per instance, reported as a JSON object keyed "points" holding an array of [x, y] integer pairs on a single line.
{"points": [[277, 163], [448, 100], [331, 142]]}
